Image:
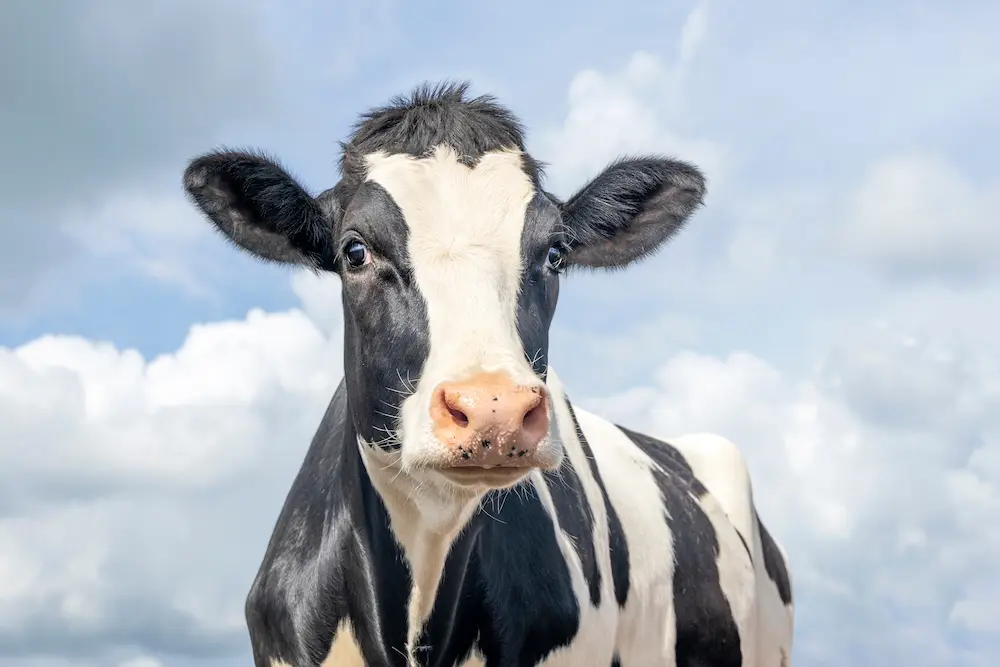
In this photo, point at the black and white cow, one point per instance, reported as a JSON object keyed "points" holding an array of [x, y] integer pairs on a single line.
{"points": [[454, 506]]}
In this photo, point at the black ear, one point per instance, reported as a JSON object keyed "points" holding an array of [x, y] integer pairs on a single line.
{"points": [[261, 208], [629, 210]]}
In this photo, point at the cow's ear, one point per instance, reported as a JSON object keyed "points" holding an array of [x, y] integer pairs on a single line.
{"points": [[255, 203], [629, 210]]}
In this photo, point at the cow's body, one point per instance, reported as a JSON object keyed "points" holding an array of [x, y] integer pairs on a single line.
{"points": [[620, 557], [453, 506]]}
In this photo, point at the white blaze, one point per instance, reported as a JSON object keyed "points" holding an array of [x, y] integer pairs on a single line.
{"points": [[465, 226]]}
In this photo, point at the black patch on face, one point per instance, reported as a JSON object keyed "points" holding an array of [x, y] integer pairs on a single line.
{"points": [[386, 333], [774, 563], [539, 290], [706, 630], [618, 545]]}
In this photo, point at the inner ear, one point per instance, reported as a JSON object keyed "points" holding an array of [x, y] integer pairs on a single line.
{"points": [[261, 208], [630, 210]]}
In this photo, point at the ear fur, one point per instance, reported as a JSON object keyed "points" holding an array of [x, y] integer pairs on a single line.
{"points": [[261, 208], [630, 210]]}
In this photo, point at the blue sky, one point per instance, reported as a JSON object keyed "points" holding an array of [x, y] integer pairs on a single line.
{"points": [[833, 309]]}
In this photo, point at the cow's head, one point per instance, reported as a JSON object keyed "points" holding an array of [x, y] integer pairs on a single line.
{"points": [[449, 251]]}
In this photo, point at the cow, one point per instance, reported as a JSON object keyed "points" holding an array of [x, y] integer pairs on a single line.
{"points": [[454, 506]]}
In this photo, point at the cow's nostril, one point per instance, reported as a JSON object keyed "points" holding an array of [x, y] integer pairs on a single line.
{"points": [[460, 418], [535, 420]]}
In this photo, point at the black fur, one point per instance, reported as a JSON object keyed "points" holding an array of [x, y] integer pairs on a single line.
{"points": [[386, 334], [539, 291], [630, 209], [774, 563], [260, 207], [429, 116]]}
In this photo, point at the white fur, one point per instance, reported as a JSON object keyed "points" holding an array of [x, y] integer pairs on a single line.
{"points": [[344, 649]]}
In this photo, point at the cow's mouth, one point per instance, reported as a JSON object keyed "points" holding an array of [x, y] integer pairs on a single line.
{"points": [[496, 477]]}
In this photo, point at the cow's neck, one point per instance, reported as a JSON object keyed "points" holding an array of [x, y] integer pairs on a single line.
{"points": [[425, 521]]}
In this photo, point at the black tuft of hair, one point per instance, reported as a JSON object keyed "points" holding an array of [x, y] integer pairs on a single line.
{"points": [[432, 114]]}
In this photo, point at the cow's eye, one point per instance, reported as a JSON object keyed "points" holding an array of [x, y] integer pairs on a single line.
{"points": [[357, 254], [557, 257]]}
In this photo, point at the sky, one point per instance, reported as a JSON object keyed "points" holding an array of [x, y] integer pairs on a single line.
{"points": [[834, 309]]}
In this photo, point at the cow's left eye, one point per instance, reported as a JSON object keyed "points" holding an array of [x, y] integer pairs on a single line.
{"points": [[357, 254], [556, 258]]}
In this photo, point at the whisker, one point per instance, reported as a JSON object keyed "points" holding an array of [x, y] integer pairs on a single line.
{"points": [[398, 409]]}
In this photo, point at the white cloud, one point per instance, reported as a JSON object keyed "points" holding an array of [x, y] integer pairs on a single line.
{"points": [[977, 615], [142, 491], [136, 493], [140, 662], [694, 32], [752, 252], [152, 233], [917, 214], [636, 110], [879, 471], [135, 420], [97, 98]]}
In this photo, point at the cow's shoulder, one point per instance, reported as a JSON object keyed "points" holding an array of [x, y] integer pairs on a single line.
{"points": [[681, 538], [712, 465], [701, 475], [328, 571]]}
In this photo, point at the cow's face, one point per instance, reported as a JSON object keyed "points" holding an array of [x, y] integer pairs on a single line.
{"points": [[450, 270], [450, 276]]}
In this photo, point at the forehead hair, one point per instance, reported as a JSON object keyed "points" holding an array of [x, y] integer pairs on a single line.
{"points": [[435, 115]]}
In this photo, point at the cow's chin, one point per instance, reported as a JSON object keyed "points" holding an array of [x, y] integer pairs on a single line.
{"points": [[481, 480]]}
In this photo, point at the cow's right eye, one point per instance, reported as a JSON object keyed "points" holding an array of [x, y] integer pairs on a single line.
{"points": [[557, 257], [357, 254]]}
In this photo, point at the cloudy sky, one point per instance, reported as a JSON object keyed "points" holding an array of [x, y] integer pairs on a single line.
{"points": [[835, 308]]}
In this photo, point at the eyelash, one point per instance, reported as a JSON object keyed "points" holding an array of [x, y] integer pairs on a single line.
{"points": [[560, 248]]}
